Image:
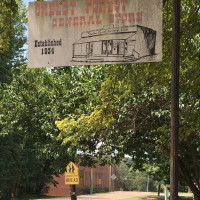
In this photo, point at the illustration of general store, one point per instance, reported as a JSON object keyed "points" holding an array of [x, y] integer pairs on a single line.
{"points": [[115, 44]]}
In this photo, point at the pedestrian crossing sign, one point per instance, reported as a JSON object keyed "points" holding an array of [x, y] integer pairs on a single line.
{"points": [[71, 174]]}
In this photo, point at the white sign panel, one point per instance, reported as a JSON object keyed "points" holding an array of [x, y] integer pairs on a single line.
{"points": [[113, 177], [87, 32]]}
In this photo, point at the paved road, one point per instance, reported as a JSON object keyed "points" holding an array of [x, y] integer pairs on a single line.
{"points": [[105, 196]]}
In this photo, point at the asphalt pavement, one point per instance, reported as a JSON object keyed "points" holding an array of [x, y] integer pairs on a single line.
{"points": [[105, 196]]}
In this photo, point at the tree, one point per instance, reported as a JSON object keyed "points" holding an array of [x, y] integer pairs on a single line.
{"points": [[131, 113], [124, 176], [12, 38], [130, 179], [29, 106], [140, 182], [31, 152], [8, 12]]}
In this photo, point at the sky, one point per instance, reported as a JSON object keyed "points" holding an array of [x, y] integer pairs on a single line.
{"points": [[26, 2], [26, 33]]}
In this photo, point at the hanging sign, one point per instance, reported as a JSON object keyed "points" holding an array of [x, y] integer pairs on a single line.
{"points": [[71, 174], [90, 32]]}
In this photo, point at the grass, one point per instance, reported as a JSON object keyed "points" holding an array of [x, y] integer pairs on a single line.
{"points": [[35, 198], [184, 196], [149, 197]]}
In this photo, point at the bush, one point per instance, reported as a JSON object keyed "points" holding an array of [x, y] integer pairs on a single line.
{"points": [[97, 189], [100, 189], [84, 190]]}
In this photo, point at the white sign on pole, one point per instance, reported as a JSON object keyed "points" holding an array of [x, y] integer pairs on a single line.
{"points": [[113, 177], [87, 32]]}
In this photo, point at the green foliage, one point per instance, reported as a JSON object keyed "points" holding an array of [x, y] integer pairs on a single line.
{"points": [[124, 176], [29, 107], [31, 152], [97, 189], [9, 9], [130, 179], [100, 189], [84, 190], [140, 182], [83, 89], [12, 38], [8, 166]]}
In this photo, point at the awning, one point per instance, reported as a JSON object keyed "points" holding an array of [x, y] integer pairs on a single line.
{"points": [[116, 36]]}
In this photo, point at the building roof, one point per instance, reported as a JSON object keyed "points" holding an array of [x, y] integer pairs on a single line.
{"points": [[116, 36]]}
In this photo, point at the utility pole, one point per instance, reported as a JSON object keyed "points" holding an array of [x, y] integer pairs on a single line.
{"points": [[175, 102]]}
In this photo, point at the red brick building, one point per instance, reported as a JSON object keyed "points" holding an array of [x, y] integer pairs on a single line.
{"points": [[101, 176]]}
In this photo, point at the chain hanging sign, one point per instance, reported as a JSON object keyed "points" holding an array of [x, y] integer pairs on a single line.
{"points": [[90, 32]]}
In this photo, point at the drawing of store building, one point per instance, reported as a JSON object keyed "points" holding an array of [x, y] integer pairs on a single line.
{"points": [[115, 44]]}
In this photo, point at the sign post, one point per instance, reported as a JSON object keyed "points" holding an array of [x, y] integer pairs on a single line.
{"points": [[72, 178], [73, 192], [175, 102]]}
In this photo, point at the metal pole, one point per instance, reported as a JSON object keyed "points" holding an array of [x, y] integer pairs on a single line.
{"points": [[91, 183], [175, 102]]}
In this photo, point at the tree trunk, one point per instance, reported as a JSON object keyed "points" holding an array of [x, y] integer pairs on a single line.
{"points": [[158, 189], [188, 180], [148, 182]]}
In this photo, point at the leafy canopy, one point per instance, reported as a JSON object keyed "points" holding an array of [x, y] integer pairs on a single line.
{"points": [[9, 9], [12, 37]]}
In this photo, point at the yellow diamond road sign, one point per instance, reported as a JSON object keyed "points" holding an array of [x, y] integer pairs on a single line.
{"points": [[71, 174]]}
